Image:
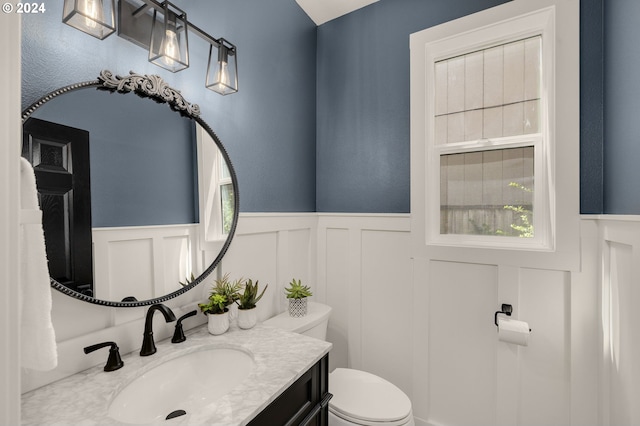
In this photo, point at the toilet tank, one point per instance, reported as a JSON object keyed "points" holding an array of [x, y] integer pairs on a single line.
{"points": [[314, 324]]}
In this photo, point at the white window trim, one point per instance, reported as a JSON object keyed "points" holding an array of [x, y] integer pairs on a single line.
{"points": [[222, 181], [209, 188], [521, 27], [562, 250]]}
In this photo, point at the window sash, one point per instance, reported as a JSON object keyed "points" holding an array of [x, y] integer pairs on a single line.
{"points": [[488, 93], [481, 198], [540, 216], [542, 142]]}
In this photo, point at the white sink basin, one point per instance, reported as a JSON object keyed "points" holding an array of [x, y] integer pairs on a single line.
{"points": [[186, 383]]}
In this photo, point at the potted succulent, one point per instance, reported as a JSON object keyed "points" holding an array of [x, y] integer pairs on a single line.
{"points": [[231, 291], [297, 295], [223, 293], [247, 316], [217, 313]]}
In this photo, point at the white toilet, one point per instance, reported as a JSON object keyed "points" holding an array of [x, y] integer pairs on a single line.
{"points": [[359, 398]]}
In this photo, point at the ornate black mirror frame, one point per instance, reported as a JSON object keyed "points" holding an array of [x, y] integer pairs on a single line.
{"points": [[155, 88]]}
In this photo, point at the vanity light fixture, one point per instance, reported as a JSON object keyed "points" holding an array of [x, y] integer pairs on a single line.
{"points": [[160, 28], [169, 47], [94, 17], [222, 69]]}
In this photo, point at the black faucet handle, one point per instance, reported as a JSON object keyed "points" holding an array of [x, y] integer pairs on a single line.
{"points": [[178, 335], [114, 362]]}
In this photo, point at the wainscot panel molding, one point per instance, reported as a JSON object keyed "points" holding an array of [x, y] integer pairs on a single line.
{"points": [[10, 141], [619, 318], [153, 258], [364, 274], [457, 355], [269, 247], [358, 279], [427, 325], [273, 248]]}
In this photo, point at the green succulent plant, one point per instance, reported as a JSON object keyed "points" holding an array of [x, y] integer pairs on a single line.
{"points": [[217, 304], [230, 290], [187, 280], [249, 297], [223, 293], [297, 291]]}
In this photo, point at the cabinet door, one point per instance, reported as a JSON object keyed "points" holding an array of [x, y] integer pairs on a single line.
{"points": [[302, 402], [320, 414]]}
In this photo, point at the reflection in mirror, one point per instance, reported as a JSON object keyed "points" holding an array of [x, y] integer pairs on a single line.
{"points": [[138, 201]]}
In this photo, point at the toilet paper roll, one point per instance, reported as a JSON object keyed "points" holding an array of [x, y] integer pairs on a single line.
{"points": [[513, 331]]}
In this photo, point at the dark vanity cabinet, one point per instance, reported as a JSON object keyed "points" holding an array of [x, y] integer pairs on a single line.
{"points": [[304, 403]]}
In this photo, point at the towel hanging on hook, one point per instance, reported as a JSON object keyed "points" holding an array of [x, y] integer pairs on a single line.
{"points": [[38, 343]]}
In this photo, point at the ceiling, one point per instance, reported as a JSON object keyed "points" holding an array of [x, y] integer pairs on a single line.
{"points": [[321, 11]]}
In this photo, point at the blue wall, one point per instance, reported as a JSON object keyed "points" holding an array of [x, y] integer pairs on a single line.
{"points": [[351, 123], [268, 127], [621, 107], [609, 105], [591, 106], [363, 102], [142, 159]]}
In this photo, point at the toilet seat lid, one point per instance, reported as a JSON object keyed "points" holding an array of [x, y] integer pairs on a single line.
{"points": [[361, 395]]}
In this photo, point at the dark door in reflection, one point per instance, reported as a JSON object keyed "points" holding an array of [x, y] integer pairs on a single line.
{"points": [[60, 158]]}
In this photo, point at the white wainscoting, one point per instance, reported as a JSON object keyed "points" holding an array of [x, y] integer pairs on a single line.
{"points": [[427, 324], [462, 374], [619, 321], [144, 261], [364, 274], [271, 248], [358, 264], [580, 365]]}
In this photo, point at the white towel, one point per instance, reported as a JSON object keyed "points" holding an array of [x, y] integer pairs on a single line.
{"points": [[38, 347]]}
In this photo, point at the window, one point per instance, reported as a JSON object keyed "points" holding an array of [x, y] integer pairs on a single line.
{"points": [[215, 189], [225, 189], [488, 136], [487, 192]]}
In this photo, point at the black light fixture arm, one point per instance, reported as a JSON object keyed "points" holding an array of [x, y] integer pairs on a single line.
{"points": [[163, 30], [142, 9], [193, 28]]}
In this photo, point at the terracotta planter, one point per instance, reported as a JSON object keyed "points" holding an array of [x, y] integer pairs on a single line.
{"points": [[218, 323], [247, 318], [298, 307]]}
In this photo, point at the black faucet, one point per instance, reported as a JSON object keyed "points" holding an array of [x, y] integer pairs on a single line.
{"points": [[114, 362], [178, 334], [148, 345]]}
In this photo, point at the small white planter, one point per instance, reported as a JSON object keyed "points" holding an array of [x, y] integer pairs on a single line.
{"points": [[218, 323], [298, 307], [247, 318], [233, 311]]}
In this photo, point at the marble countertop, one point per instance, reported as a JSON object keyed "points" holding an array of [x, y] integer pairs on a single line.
{"points": [[281, 357]]}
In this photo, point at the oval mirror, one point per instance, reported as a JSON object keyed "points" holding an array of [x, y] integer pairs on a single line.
{"points": [[139, 197]]}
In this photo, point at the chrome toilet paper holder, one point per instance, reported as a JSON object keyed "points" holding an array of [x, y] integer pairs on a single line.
{"points": [[506, 309]]}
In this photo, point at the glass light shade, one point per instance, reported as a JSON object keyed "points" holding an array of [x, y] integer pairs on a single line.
{"points": [[94, 17], [222, 70], [169, 47]]}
